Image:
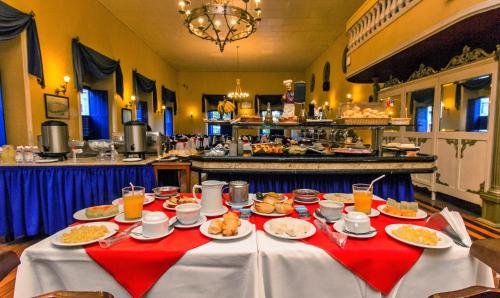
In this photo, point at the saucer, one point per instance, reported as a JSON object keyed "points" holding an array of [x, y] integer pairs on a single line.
{"points": [[200, 221], [215, 213], [317, 214], [339, 226], [308, 202], [248, 203], [136, 233], [121, 218], [373, 213]]}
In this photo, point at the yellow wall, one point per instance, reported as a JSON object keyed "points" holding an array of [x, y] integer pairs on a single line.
{"points": [[191, 86], [58, 21], [405, 29]]}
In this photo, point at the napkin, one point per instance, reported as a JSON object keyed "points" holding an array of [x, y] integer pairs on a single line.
{"points": [[457, 224]]}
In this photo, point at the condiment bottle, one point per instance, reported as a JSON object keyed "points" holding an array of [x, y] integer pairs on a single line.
{"points": [[28, 154], [19, 156], [269, 115]]}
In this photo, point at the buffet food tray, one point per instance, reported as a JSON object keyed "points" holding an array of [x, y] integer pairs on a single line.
{"points": [[364, 121]]}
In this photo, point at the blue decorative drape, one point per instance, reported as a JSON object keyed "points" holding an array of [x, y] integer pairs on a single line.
{"points": [[87, 61], [396, 186], [12, 23], [41, 200], [169, 122], [99, 115], [168, 97], [142, 111], [3, 138], [145, 85]]}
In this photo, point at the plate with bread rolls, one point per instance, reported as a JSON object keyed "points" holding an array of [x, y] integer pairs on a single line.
{"points": [[273, 208], [289, 228], [228, 227]]}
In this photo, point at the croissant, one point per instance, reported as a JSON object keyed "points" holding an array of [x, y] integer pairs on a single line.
{"points": [[215, 226], [270, 200], [230, 227], [264, 207], [283, 208]]}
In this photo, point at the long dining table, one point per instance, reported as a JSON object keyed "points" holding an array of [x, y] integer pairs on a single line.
{"points": [[258, 265]]}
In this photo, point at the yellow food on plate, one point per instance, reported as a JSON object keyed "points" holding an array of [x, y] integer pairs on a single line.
{"points": [[227, 225], [283, 208], [173, 202], [264, 207], [101, 211], [416, 235], [230, 227], [271, 200], [403, 208], [84, 234], [215, 226]]}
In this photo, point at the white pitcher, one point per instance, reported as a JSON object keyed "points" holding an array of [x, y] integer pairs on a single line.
{"points": [[211, 195]]}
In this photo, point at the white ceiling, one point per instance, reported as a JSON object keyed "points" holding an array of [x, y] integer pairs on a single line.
{"points": [[291, 35]]}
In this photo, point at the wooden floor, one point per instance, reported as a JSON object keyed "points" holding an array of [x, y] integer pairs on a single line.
{"points": [[476, 229]]}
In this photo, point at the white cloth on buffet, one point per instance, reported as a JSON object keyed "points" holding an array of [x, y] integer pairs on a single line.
{"points": [[216, 269], [296, 269]]}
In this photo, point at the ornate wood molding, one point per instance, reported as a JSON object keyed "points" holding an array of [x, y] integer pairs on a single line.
{"points": [[466, 143], [453, 142], [438, 180], [481, 189], [392, 81], [468, 56], [421, 72]]}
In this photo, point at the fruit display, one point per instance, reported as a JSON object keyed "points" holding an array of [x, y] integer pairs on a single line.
{"points": [[225, 107]]}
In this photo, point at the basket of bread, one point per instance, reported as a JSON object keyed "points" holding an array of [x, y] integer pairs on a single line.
{"points": [[363, 114]]}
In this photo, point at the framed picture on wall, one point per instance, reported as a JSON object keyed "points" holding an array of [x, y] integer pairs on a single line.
{"points": [[126, 115], [56, 107]]}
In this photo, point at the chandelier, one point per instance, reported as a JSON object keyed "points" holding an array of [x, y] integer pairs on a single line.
{"points": [[220, 21], [238, 94]]}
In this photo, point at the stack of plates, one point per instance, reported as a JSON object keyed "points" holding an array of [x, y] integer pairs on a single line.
{"points": [[305, 196]]}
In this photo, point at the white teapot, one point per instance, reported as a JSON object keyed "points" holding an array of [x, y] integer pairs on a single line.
{"points": [[211, 195]]}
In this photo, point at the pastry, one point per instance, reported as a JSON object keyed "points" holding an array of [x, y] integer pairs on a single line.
{"points": [[101, 211], [230, 227], [215, 226], [264, 207], [271, 200], [283, 208], [231, 216]]}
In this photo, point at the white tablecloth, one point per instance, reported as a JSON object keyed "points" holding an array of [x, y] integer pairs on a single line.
{"points": [[257, 266]]}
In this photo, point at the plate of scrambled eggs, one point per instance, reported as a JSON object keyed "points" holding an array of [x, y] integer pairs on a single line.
{"points": [[84, 234], [418, 236]]}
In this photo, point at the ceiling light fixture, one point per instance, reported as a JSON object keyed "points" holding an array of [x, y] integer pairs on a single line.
{"points": [[238, 94], [221, 21]]}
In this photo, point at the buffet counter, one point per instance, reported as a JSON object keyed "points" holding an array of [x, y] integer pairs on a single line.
{"points": [[87, 161]]}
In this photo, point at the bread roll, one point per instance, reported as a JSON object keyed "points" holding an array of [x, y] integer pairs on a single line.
{"points": [[264, 207], [283, 208], [215, 226]]}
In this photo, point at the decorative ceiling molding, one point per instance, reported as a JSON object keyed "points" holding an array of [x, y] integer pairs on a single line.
{"points": [[392, 81], [421, 72], [468, 56]]}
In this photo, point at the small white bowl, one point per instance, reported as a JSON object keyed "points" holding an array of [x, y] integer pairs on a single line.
{"points": [[357, 222], [154, 224], [188, 213]]}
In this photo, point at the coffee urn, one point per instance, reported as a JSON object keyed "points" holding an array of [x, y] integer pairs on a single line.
{"points": [[135, 138], [54, 140]]}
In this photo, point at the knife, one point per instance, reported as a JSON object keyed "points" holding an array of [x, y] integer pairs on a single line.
{"points": [[105, 243]]}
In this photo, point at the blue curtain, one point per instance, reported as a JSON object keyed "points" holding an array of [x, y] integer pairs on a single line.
{"points": [[87, 61], [169, 97], [99, 115], [474, 121], [3, 138], [146, 85], [42, 200], [12, 23], [142, 111], [169, 122], [421, 119]]}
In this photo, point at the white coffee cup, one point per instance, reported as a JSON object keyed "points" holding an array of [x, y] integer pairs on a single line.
{"points": [[154, 224], [331, 210], [357, 222], [188, 214]]}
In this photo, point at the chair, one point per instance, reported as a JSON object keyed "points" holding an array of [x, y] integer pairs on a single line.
{"points": [[8, 262], [488, 252]]}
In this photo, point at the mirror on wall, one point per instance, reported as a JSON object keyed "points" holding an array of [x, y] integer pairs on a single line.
{"points": [[419, 107], [465, 105]]}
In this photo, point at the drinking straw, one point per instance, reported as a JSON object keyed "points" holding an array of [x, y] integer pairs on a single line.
{"points": [[131, 185], [375, 180]]}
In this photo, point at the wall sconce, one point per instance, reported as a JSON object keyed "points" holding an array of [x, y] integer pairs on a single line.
{"points": [[191, 115], [132, 101], [445, 108], [326, 106], [161, 111], [64, 86], [349, 97]]}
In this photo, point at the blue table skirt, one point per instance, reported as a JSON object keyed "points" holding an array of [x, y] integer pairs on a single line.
{"points": [[42, 200], [397, 186]]}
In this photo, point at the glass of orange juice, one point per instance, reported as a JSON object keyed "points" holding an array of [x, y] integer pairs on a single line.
{"points": [[363, 195], [133, 199]]}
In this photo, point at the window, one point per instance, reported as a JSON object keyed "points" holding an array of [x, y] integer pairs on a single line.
{"points": [[423, 119], [142, 111], [477, 114], [484, 107], [95, 114], [219, 129], [169, 121]]}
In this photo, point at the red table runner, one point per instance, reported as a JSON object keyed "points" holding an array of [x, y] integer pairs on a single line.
{"points": [[380, 261], [137, 265]]}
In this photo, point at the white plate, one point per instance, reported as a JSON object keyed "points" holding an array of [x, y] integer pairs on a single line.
{"points": [[131, 159], [240, 205], [165, 205], [306, 202], [329, 221], [136, 233], [373, 213], [121, 218], [148, 199], [310, 232], [274, 214], [339, 227], [421, 214], [215, 213], [200, 221], [112, 227], [243, 230], [445, 241], [334, 196], [284, 198], [47, 160], [80, 215]]}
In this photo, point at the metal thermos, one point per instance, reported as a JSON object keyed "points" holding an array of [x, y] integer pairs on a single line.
{"points": [[135, 137], [55, 137], [238, 191]]}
